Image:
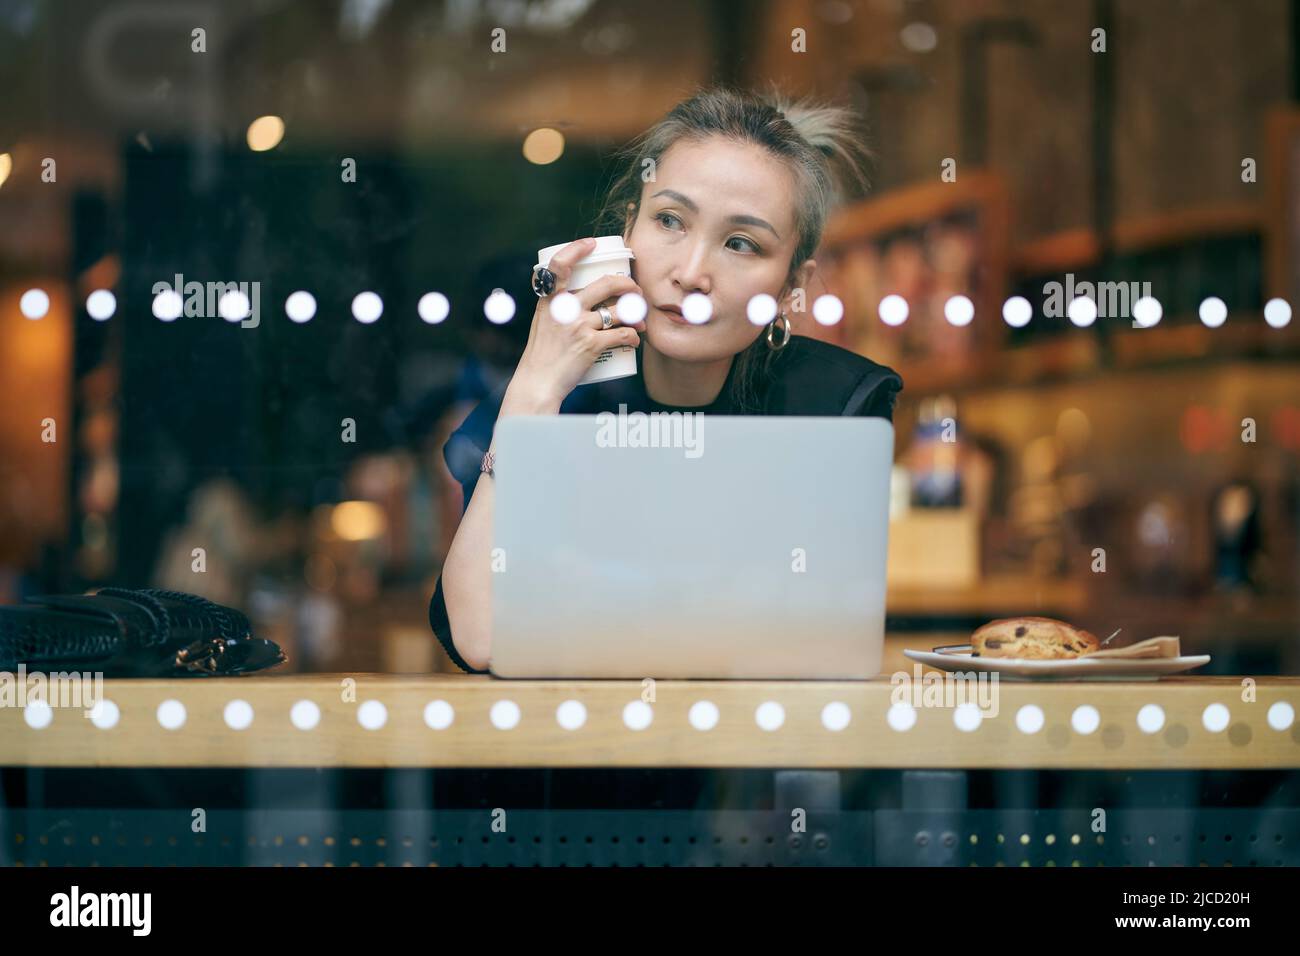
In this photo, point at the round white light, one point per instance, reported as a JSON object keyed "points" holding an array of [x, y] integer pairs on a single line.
{"points": [[1085, 719], [300, 306], [565, 308], [697, 308], [499, 307], [1215, 718], [105, 714], [1030, 719], [1213, 312], [703, 715], [770, 715], [238, 715], [1082, 311], [101, 304], [167, 306], [893, 310], [1017, 311], [1147, 311], [304, 715], [637, 715], [959, 310], [171, 714], [372, 715], [828, 309], [367, 307], [967, 717], [504, 715], [234, 306], [836, 716], [433, 307], [438, 715], [1151, 717], [1281, 715], [901, 716], [630, 308], [34, 304], [919, 37], [38, 714], [761, 309], [571, 714], [1277, 312]]}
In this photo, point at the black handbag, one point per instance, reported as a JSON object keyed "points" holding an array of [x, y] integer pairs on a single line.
{"points": [[122, 632]]}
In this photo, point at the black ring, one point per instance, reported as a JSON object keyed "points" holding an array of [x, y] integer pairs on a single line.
{"points": [[543, 281]]}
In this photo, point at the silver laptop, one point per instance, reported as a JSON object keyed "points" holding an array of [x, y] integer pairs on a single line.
{"points": [[690, 546]]}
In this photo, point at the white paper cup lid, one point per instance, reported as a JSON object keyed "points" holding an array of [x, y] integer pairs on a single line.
{"points": [[607, 247]]}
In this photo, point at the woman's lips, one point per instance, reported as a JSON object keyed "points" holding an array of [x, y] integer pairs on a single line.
{"points": [[673, 316]]}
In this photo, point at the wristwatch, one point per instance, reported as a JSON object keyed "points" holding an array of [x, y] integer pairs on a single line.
{"points": [[489, 460]]}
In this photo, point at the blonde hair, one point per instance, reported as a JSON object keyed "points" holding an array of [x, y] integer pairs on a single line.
{"points": [[820, 142]]}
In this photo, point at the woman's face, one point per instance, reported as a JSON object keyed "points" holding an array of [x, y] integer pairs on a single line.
{"points": [[719, 220]]}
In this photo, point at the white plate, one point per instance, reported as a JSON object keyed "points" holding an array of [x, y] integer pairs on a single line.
{"points": [[1083, 668]]}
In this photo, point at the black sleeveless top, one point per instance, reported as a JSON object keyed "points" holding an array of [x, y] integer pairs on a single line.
{"points": [[808, 377]]}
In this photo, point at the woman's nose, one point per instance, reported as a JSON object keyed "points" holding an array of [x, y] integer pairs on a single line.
{"points": [[693, 271]]}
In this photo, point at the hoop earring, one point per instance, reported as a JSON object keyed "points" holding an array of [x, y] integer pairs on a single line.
{"points": [[785, 327]]}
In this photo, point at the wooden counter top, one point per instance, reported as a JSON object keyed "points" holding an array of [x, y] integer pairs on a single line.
{"points": [[404, 711]]}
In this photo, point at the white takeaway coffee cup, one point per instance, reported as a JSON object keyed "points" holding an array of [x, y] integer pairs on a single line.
{"points": [[609, 258]]}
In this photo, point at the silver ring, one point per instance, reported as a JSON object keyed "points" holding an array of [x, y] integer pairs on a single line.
{"points": [[543, 281], [606, 317]]}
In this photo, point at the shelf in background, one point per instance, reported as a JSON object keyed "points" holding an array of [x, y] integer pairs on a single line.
{"points": [[994, 596], [1080, 355]]}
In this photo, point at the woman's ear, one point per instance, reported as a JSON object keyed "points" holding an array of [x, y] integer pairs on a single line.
{"points": [[629, 220], [802, 277]]}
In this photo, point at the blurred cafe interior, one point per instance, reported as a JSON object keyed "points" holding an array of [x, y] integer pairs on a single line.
{"points": [[1132, 469]]}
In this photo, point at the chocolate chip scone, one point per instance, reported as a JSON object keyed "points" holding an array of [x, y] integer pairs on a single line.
{"points": [[1031, 638]]}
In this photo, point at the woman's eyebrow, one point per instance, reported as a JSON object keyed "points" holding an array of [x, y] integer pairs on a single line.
{"points": [[739, 219]]}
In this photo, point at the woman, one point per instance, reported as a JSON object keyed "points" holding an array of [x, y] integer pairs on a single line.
{"points": [[740, 192]]}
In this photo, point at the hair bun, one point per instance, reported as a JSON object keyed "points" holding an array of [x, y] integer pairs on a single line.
{"points": [[833, 132]]}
